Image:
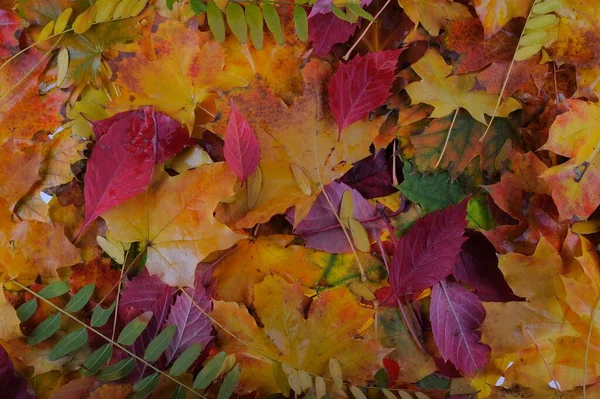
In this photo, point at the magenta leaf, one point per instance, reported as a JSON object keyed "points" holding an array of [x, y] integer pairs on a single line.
{"points": [[361, 85], [427, 253], [193, 326], [241, 145], [12, 385], [456, 314], [128, 146], [321, 229], [372, 176], [327, 30]]}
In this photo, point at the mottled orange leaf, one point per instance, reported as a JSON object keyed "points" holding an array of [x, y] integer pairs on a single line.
{"points": [[334, 319], [576, 135], [301, 139], [19, 171], [99, 273], [173, 219]]}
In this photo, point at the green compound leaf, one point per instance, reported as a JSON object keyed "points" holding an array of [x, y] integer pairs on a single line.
{"points": [[229, 383], [98, 359], [45, 329], [100, 315], [187, 358], [301, 23], [216, 22], [117, 370], [273, 22], [134, 329], [160, 343], [237, 21], [26, 310], [55, 289], [432, 192], [69, 343], [254, 18], [146, 386], [198, 6], [80, 299], [210, 371]]}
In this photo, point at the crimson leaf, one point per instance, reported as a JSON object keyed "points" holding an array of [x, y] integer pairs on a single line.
{"points": [[326, 30], [241, 145]]}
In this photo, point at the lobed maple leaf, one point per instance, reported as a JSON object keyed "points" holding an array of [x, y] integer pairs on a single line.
{"points": [[433, 14], [426, 254], [456, 313], [361, 85], [327, 30], [241, 149], [329, 329], [173, 219]]}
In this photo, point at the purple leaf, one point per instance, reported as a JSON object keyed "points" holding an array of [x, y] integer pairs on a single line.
{"points": [[372, 176], [193, 326], [477, 266], [12, 385], [456, 314], [321, 229], [427, 253], [242, 149], [327, 30]]}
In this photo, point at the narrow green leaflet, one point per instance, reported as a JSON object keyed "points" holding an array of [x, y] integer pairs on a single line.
{"points": [[45, 329], [98, 359], [338, 12], [197, 6], [301, 23], [134, 328], [169, 4], [478, 213], [185, 360], [160, 343], [210, 371], [146, 386], [55, 289], [117, 370], [432, 192], [237, 21], [100, 315], [69, 343], [26, 310], [254, 18], [356, 8], [229, 383], [273, 22], [178, 393], [216, 23], [80, 299]]}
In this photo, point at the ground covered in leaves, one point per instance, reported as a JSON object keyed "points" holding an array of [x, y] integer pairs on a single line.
{"points": [[374, 199]]}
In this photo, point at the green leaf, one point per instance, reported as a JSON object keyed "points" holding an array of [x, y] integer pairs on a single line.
{"points": [[55, 289], [237, 21], [338, 12], [146, 386], [210, 371], [80, 299], [170, 4], [432, 192], [187, 358], [117, 370], [69, 343], [229, 383], [100, 315], [134, 328], [356, 8], [178, 393], [216, 23], [198, 6], [382, 379], [301, 23], [273, 22], [478, 213], [45, 329], [254, 18], [434, 381], [160, 343], [26, 310], [98, 359]]}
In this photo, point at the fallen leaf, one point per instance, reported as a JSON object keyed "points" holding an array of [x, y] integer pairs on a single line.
{"points": [[173, 219], [10, 32], [325, 333], [241, 146], [12, 385], [19, 171], [433, 14], [327, 30], [494, 14], [99, 273], [372, 176]]}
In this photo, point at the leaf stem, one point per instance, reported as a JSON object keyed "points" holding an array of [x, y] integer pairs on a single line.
{"points": [[447, 139], [347, 55]]}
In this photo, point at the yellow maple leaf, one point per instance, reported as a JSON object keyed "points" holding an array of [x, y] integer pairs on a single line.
{"points": [[299, 147], [449, 93], [434, 14], [333, 321], [174, 220], [494, 14], [575, 134]]}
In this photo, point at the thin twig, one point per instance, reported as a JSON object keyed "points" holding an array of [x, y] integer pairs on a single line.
{"points": [[447, 139]]}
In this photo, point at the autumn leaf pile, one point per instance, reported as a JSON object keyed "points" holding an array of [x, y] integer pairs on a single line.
{"points": [[374, 199]]}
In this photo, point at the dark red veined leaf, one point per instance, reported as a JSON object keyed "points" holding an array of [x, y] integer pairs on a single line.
{"points": [[241, 145], [193, 326], [12, 385], [321, 229], [361, 85], [327, 30], [372, 176], [427, 253], [456, 314], [128, 146]]}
